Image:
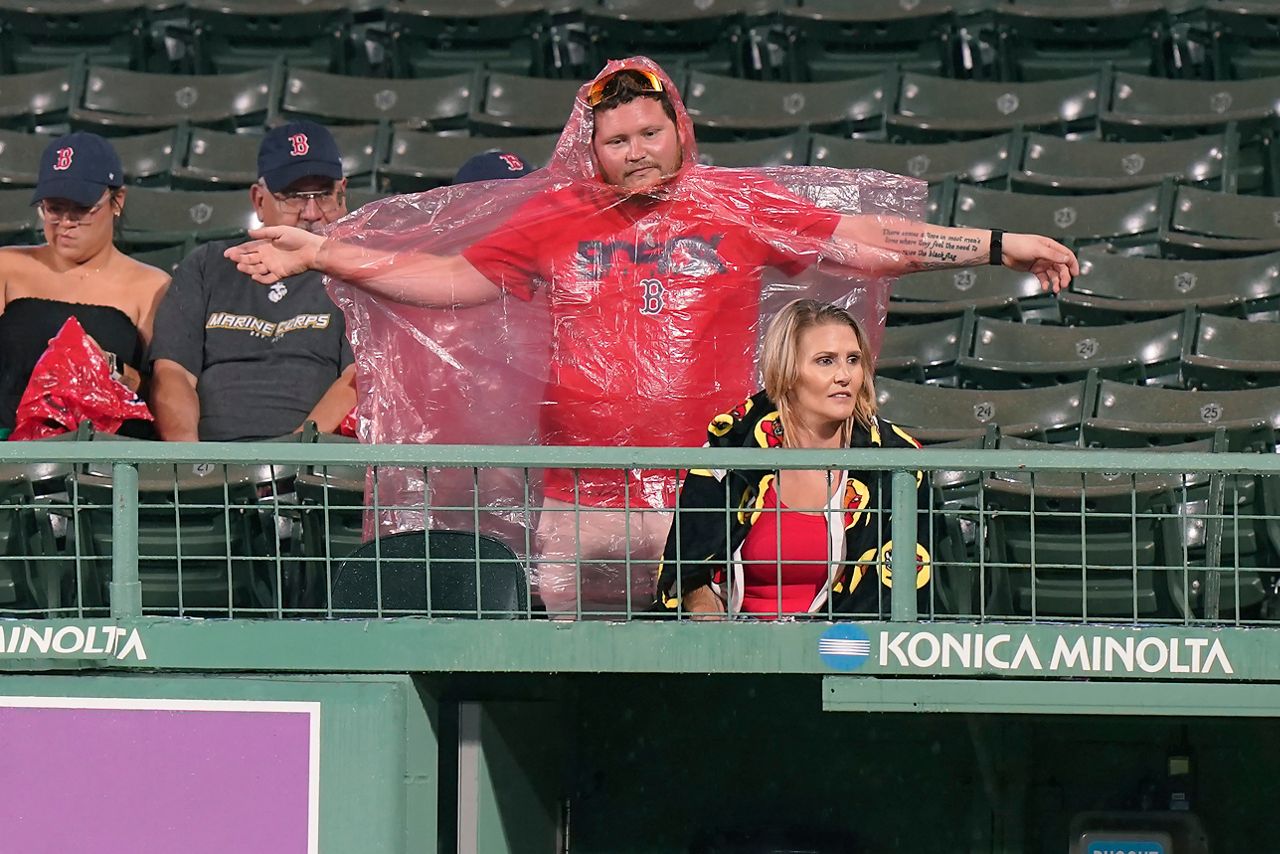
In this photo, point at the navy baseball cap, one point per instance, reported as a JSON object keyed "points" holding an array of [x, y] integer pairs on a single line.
{"points": [[297, 150], [492, 166], [78, 167]]}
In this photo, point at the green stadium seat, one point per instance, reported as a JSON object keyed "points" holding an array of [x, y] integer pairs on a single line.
{"points": [[229, 36], [19, 222], [1244, 39], [838, 40], [1092, 546], [115, 102], [1046, 41], [20, 156], [976, 161], [417, 161], [40, 36], [434, 37], [921, 352], [727, 108], [789, 150], [358, 198], [31, 568], [38, 99], [1122, 289], [1004, 354], [330, 510], [1051, 164], [146, 157], [202, 545], [167, 258], [693, 33], [1152, 108], [459, 574], [510, 105], [1131, 217], [1129, 416], [429, 104], [1232, 353], [156, 217], [936, 294], [933, 109], [1205, 224], [935, 414], [210, 159]]}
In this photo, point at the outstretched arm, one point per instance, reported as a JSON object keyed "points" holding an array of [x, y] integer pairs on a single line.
{"points": [[920, 246], [277, 252]]}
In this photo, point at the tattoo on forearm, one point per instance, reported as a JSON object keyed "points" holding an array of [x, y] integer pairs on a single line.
{"points": [[932, 249]]}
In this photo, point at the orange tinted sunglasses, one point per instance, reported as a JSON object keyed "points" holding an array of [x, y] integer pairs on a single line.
{"points": [[653, 83]]}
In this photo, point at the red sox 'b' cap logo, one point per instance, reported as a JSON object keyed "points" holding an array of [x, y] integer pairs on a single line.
{"points": [[63, 161], [514, 164], [299, 144]]}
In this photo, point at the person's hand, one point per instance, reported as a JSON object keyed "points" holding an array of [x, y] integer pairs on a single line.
{"points": [[702, 603], [1051, 262], [276, 252]]}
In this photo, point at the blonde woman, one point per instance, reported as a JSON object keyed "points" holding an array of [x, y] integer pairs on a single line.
{"points": [[78, 272], [771, 543]]}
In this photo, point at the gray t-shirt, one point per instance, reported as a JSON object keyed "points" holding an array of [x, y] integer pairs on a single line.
{"points": [[262, 355]]}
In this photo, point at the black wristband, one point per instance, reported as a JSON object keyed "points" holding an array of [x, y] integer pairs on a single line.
{"points": [[997, 248]]}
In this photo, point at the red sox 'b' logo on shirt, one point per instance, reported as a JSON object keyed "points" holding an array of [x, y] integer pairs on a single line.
{"points": [[300, 145], [63, 161]]}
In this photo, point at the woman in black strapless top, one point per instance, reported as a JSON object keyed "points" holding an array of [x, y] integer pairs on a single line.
{"points": [[78, 272]]}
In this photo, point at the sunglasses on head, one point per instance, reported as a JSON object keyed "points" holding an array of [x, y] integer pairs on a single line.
{"points": [[645, 81]]}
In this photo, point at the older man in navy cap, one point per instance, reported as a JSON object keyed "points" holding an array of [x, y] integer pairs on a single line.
{"points": [[233, 360]]}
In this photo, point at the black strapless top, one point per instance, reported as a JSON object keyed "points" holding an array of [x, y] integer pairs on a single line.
{"points": [[26, 327]]}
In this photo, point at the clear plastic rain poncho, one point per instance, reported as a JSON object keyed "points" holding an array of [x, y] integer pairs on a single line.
{"points": [[623, 320]]}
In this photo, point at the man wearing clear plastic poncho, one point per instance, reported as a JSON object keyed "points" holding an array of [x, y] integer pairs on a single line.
{"points": [[613, 298]]}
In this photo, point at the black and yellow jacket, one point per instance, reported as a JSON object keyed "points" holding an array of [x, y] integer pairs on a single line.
{"points": [[704, 548]]}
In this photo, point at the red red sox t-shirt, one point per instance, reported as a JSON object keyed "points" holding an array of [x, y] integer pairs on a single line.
{"points": [[654, 305]]}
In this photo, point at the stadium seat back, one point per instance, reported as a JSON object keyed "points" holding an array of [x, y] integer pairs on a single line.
{"points": [[1002, 354], [38, 98], [1232, 353], [1154, 108], [935, 414], [433, 37], [934, 294], [417, 161], [117, 102], [726, 108], [40, 36], [238, 35], [920, 352], [1208, 224], [933, 109], [789, 150], [1131, 216], [154, 217], [513, 105], [837, 40], [1045, 41], [1051, 164], [442, 573], [1138, 416], [19, 222], [434, 103], [976, 161], [1120, 289], [202, 546]]}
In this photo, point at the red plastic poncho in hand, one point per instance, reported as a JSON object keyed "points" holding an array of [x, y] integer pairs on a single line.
{"points": [[71, 383], [623, 320]]}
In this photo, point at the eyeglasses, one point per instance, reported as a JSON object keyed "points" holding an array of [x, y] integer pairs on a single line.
{"points": [[648, 82], [329, 201], [59, 210]]}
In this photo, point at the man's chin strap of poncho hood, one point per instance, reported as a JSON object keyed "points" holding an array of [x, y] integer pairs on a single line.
{"points": [[488, 374]]}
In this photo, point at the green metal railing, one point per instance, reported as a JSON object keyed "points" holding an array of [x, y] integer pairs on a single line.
{"points": [[1225, 576]]}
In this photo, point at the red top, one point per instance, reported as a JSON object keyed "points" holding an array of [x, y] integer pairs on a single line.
{"points": [[798, 542], [654, 305]]}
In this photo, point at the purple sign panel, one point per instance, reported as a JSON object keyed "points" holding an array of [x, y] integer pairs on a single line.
{"points": [[183, 776]]}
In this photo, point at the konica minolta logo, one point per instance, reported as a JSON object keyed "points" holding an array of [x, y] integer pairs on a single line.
{"points": [[844, 647]]}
